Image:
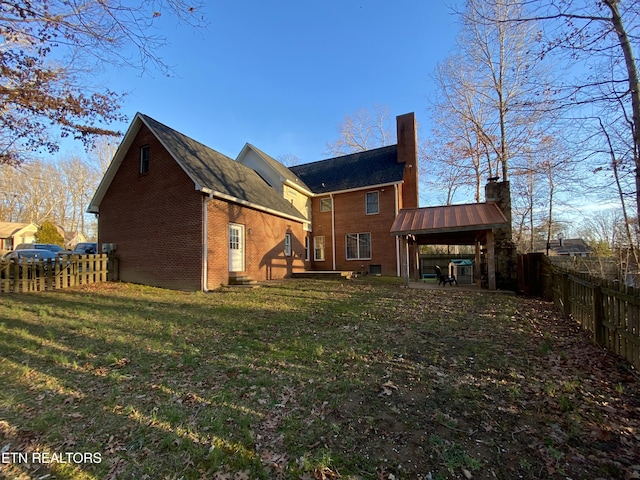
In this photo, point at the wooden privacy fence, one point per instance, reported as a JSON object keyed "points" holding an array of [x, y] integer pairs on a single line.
{"points": [[610, 311], [40, 275]]}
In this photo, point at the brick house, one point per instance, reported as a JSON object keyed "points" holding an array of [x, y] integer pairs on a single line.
{"points": [[181, 215]]}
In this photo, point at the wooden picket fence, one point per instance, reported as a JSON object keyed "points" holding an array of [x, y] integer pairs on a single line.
{"points": [[41, 275], [607, 309]]}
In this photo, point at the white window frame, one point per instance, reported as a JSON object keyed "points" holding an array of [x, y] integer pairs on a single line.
{"points": [[377, 203], [323, 204], [307, 250], [359, 245], [287, 244], [318, 248]]}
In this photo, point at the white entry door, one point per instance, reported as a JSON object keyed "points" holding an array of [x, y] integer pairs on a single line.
{"points": [[236, 247]]}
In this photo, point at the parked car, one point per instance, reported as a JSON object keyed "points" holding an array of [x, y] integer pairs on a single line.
{"points": [[52, 247], [24, 256], [85, 248]]}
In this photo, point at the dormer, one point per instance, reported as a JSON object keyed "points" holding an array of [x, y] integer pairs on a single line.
{"points": [[279, 177]]}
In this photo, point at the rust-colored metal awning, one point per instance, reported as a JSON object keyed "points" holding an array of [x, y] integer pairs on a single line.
{"points": [[450, 224]]}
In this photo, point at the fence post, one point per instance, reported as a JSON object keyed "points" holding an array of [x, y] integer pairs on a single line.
{"points": [[566, 294], [598, 315]]}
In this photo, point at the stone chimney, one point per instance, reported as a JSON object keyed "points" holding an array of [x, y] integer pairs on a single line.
{"points": [[505, 250], [408, 154]]}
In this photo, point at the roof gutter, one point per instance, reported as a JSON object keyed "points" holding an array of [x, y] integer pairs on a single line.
{"points": [[366, 187], [230, 198], [396, 210], [333, 232], [205, 245]]}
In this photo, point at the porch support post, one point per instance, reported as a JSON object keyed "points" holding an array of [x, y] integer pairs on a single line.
{"points": [[491, 260], [404, 259], [477, 272], [416, 261]]}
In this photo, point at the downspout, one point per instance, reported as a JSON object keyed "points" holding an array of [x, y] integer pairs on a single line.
{"points": [[205, 244], [398, 266], [333, 232]]}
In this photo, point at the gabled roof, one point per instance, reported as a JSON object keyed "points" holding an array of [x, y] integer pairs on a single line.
{"points": [[358, 170], [570, 246], [451, 224], [8, 229], [286, 174], [212, 172]]}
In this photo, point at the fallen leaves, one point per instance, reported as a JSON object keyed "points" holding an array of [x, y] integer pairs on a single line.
{"points": [[387, 389]]}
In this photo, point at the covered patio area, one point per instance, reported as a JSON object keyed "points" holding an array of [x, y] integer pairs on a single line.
{"points": [[468, 224]]}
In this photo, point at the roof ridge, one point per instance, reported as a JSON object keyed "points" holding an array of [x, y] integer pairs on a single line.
{"points": [[348, 155], [185, 135]]}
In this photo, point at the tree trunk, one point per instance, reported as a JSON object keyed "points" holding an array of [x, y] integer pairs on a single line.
{"points": [[634, 87]]}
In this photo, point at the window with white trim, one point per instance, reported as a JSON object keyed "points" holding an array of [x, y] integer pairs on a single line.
{"points": [[358, 246], [318, 248], [372, 203], [306, 248], [325, 204], [287, 244]]}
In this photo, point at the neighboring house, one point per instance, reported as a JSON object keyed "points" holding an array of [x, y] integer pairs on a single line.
{"points": [[178, 214], [71, 239], [12, 234], [571, 247]]}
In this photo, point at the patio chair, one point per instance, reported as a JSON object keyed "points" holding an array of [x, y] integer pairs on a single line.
{"points": [[443, 279]]}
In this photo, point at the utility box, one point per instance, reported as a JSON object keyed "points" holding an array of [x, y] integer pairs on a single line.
{"points": [[462, 269]]}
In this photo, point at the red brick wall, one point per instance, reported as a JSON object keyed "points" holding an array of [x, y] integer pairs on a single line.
{"points": [[264, 243], [350, 217], [321, 227], [155, 220], [408, 154]]}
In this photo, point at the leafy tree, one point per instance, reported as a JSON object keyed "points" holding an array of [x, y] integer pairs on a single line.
{"points": [[49, 53], [48, 233]]}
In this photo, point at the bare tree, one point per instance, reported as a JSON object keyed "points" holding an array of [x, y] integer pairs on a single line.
{"points": [[492, 107], [103, 151], [598, 37], [289, 159], [460, 130], [503, 75], [364, 130], [55, 191], [49, 53]]}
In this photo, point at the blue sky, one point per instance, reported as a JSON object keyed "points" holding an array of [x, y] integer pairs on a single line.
{"points": [[282, 74]]}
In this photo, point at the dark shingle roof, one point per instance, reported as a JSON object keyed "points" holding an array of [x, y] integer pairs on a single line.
{"points": [[358, 170], [218, 173]]}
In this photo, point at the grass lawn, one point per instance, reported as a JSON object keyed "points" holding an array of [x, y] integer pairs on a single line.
{"points": [[307, 380]]}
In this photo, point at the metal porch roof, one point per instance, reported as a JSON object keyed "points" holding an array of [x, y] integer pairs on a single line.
{"points": [[450, 224]]}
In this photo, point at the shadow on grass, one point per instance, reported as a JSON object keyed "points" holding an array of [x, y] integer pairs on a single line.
{"points": [[306, 378]]}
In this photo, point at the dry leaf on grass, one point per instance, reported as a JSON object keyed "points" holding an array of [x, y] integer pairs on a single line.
{"points": [[387, 388], [325, 474]]}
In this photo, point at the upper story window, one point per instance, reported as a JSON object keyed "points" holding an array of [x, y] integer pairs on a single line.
{"points": [[373, 203], [144, 159], [325, 204]]}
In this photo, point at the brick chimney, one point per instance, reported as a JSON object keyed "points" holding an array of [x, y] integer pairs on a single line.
{"points": [[408, 154]]}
